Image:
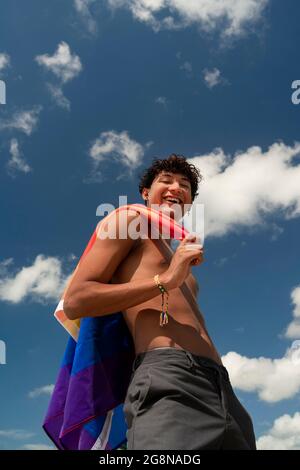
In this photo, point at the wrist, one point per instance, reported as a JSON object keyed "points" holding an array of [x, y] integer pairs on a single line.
{"points": [[166, 281]]}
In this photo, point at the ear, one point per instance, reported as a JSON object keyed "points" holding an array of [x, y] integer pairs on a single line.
{"points": [[145, 193]]}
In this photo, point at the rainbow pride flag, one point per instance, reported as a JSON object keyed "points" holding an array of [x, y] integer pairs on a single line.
{"points": [[86, 407]]}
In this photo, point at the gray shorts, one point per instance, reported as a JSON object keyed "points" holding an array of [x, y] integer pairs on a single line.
{"points": [[177, 400]]}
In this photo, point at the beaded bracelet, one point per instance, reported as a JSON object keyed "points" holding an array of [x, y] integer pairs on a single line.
{"points": [[164, 314]]}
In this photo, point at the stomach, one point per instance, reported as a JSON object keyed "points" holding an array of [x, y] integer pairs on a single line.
{"points": [[183, 330]]}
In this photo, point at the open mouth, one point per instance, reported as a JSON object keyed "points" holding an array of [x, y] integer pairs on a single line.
{"points": [[172, 200]]}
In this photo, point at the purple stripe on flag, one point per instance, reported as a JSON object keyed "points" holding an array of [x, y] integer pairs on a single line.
{"points": [[88, 402], [79, 398]]}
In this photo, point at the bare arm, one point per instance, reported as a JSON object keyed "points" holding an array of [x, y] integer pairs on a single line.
{"points": [[91, 295], [93, 299]]}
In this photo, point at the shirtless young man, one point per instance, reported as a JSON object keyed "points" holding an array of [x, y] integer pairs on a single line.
{"points": [[180, 396]]}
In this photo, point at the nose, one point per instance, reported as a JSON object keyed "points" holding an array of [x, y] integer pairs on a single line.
{"points": [[175, 186]]}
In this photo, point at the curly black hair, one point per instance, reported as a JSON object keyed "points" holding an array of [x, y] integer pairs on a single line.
{"points": [[175, 164]]}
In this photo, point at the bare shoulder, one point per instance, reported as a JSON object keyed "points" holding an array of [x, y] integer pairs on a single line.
{"points": [[107, 252], [111, 226]]}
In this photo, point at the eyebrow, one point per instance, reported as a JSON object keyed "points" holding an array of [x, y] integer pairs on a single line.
{"points": [[170, 174]]}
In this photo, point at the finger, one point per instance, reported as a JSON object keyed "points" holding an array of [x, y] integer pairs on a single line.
{"points": [[188, 239], [196, 261], [189, 251], [193, 246]]}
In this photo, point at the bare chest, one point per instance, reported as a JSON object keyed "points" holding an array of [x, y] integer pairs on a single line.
{"points": [[143, 261]]}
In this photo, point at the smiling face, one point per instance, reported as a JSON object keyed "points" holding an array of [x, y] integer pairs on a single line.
{"points": [[169, 189]]}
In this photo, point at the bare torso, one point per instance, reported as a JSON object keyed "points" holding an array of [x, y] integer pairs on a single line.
{"points": [[184, 330]]}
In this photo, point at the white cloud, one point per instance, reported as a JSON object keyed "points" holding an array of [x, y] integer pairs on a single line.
{"points": [[82, 7], [43, 280], [284, 434], [161, 100], [212, 77], [45, 390], [276, 231], [37, 447], [16, 434], [62, 63], [272, 379], [4, 61], [241, 191], [187, 67], [4, 265], [16, 162], [72, 257], [23, 121], [293, 329], [119, 146], [231, 16], [58, 96], [220, 262]]}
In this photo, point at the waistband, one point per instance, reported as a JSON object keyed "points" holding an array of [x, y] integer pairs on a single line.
{"points": [[194, 359]]}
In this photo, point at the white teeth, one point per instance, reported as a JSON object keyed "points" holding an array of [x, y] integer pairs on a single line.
{"points": [[177, 201]]}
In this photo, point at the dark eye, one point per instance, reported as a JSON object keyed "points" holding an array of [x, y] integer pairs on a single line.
{"points": [[168, 181]]}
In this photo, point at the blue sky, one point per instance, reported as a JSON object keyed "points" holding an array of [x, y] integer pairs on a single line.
{"points": [[94, 91]]}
